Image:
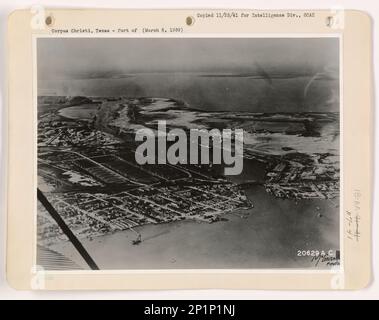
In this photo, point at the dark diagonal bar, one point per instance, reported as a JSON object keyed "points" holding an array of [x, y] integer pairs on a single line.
{"points": [[66, 230]]}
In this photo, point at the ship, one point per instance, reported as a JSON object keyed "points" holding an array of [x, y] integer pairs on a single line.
{"points": [[137, 241]]}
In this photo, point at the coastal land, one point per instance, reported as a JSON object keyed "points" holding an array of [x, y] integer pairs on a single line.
{"points": [[132, 216]]}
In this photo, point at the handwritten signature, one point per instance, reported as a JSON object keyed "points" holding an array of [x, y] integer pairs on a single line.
{"points": [[353, 218], [326, 259]]}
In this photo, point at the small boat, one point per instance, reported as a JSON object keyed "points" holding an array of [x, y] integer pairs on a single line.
{"points": [[137, 241]]}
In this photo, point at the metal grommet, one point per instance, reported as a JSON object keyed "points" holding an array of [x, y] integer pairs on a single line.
{"points": [[190, 21], [49, 21]]}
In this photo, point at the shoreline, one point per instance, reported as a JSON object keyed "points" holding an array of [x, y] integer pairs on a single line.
{"points": [[236, 244]]}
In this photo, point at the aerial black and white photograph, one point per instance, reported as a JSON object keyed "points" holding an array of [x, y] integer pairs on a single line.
{"points": [[188, 153]]}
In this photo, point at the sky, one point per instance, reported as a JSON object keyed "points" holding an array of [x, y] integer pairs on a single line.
{"points": [[78, 58], [242, 74]]}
